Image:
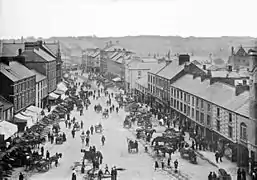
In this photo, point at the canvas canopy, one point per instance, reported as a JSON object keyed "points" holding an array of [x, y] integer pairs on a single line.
{"points": [[7, 129], [21, 118], [116, 79], [53, 96]]}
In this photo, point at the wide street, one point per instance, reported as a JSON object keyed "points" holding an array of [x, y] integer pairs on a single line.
{"points": [[137, 166]]}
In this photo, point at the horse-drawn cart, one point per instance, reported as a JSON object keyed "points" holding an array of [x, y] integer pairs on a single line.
{"points": [[132, 145], [105, 114], [59, 140], [188, 153], [98, 128]]}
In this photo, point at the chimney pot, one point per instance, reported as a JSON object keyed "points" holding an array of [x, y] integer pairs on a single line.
{"points": [[19, 51], [229, 68], [204, 67]]}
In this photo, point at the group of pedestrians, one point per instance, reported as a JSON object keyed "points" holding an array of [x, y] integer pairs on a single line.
{"points": [[156, 164]]}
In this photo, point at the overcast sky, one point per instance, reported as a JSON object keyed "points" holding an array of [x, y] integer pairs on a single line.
{"points": [[46, 18]]}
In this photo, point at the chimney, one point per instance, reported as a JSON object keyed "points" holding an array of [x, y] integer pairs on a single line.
{"points": [[232, 50], [5, 60], [204, 67], [19, 51], [183, 58], [209, 72], [229, 68], [240, 88], [168, 62]]}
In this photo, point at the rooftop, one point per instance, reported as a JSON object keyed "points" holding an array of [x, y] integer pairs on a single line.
{"points": [[38, 55], [137, 65], [15, 71], [53, 47], [6, 104], [39, 76], [218, 93], [171, 70], [11, 49]]}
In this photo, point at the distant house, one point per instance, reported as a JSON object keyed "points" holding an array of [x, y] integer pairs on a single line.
{"points": [[239, 59]]}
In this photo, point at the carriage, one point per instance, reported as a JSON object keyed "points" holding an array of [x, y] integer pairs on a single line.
{"points": [[132, 145], [188, 153], [127, 123], [98, 108], [105, 114], [59, 140], [98, 128], [140, 133], [76, 126]]}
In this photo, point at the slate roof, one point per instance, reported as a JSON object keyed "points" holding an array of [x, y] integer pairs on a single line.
{"points": [[15, 71], [37, 55], [53, 47], [232, 74], [218, 93], [6, 104], [171, 70], [158, 68], [39, 76], [11, 49]]}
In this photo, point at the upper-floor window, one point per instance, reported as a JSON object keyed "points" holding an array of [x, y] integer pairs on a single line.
{"points": [[197, 116], [193, 113], [230, 117], [175, 103], [185, 108], [193, 101], [243, 131], [181, 95], [149, 78], [208, 120], [197, 102], [171, 101], [218, 124], [201, 103], [181, 107], [230, 131], [218, 112], [202, 118], [185, 97], [188, 98], [209, 107], [171, 91], [175, 93]]}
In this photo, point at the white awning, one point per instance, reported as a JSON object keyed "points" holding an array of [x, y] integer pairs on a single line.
{"points": [[22, 118], [7, 129], [116, 79], [61, 86], [53, 96], [32, 115], [35, 109], [63, 96]]}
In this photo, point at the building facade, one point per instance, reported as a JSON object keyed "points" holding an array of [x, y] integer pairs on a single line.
{"points": [[239, 59], [19, 83], [42, 62], [6, 109], [41, 89], [54, 50]]}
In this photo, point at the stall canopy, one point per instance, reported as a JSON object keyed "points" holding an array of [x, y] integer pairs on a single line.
{"points": [[59, 92], [116, 79], [30, 114], [7, 129], [35, 109], [62, 87], [53, 96], [19, 118]]}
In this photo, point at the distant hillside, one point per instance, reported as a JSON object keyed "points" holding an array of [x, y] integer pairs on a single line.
{"points": [[143, 45]]}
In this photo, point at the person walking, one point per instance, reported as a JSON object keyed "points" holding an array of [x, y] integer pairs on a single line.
{"points": [[73, 133], [74, 175], [103, 140], [47, 154], [156, 165], [210, 176], [92, 130], [243, 174], [42, 150], [21, 176]]}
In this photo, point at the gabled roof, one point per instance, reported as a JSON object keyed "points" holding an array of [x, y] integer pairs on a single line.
{"points": [[37, 55], [39, 76], [158, 68], [218, 93], [241, 52], [171, 70], [6, 104], [15, 71], [11, 49], [53, 47]]}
